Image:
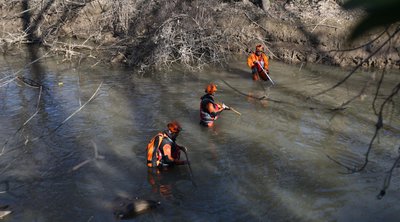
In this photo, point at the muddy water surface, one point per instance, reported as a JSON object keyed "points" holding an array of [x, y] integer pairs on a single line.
{"points": [[268, 164]]}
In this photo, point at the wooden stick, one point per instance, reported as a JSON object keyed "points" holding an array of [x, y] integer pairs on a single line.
{"points": [[234, 110], [190, 168]]}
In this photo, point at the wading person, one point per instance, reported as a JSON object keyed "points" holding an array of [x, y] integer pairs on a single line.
{"points": [[258, 63], [209, 109], [162, 150]]}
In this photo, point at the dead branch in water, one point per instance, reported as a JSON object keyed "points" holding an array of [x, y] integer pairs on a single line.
{"points": [[6, 82], [25, 123], [95, 157], [14, 76], [70, 116], [30, 83]]}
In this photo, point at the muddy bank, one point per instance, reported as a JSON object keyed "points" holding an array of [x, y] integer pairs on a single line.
{"points": [[156, 34]]}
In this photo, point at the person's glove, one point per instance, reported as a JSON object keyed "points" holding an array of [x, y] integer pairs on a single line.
{"points": [[225, 106]]}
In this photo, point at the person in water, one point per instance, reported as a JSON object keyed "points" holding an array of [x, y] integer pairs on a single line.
{"points": [[256, 61], [209, 109], [162, 150]]}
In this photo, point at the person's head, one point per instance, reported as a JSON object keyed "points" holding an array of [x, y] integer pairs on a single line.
{"points": [[259, 49], [174, 128], [211, 88]]}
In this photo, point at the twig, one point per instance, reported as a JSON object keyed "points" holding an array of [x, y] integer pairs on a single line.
{"points": [[22, 69], [81, 164], [80, 108], [29, 82], [329, 26], [255, 22], [339, 163], [319, 23], [95, 157], [69, 117], [20, 13], [7, 82], [24, 124]]}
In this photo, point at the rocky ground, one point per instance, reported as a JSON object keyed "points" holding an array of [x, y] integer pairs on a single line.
{"points": [[146, 34]]}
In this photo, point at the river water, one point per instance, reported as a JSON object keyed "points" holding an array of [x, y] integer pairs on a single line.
{"points": [[269, 164]]}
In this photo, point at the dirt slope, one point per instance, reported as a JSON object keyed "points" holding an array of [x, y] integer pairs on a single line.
{"points": [[156, 34]]}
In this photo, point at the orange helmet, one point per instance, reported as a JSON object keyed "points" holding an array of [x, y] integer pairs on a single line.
{"points": [[211, 88], [174, 127], [259, 48]]}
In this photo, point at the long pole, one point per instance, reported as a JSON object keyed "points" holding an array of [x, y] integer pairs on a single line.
{"points": [[190, 168], [234, 110], [266, 73]]}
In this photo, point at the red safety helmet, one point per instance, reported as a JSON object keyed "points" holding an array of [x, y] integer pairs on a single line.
{"points": [[174, 127], [211, 88]]}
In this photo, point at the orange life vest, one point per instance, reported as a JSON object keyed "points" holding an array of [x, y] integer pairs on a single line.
{"points": [[154, 155], [263, 59]]}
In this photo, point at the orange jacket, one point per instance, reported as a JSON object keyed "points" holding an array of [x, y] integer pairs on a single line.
{"points": [[253, 57]]}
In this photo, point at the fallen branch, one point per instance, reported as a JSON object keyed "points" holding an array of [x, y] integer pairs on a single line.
{"points": [[14, 75], [318, 25], [70, 116], [96, 157], [7, 82], [24, 124]]}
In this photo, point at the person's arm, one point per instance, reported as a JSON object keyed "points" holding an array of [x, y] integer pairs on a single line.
{"points": [[168, 153], [266, 64], [213, 111], [250, 61]]}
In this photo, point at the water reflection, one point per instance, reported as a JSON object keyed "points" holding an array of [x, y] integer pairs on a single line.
{"points": [[164, 182]]}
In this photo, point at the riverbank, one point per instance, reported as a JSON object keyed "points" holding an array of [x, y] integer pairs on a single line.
{"points": [[153, 34]]}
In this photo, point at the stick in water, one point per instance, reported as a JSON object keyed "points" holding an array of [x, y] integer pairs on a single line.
{"points": [[188, 163]]}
